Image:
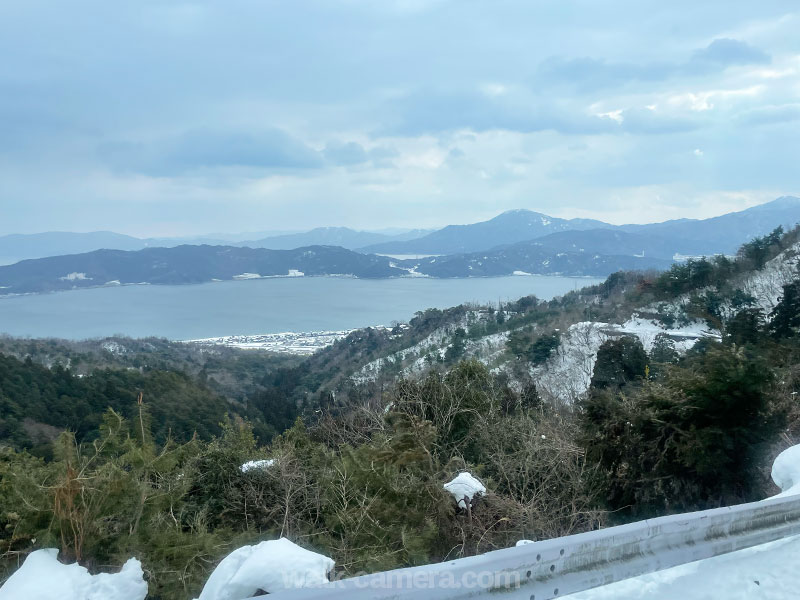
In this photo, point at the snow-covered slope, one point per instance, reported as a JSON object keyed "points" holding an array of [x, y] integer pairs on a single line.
{"points": [[566, 375], [416, 359]]}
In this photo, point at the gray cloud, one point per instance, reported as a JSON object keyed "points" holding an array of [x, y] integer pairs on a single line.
{"points": [[345, 153], [434, 112], [646, 121], [593, 73], [589, 73], [726, 52], [437, 111], [770, 115], [199, 114], [207, 149]]}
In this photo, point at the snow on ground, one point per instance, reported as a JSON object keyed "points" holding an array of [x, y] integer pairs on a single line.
{"points": [[42, 577], [270, 566], [568, 372], [786, 474], [684, 337], [487, 349], [289, 342], [434, 341], [464, 486], [766, 572], [114, 347], [767, 284], [410, 271], [74, 276]]}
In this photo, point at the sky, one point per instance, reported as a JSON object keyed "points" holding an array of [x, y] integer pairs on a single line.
{"points": [[157, 118]]}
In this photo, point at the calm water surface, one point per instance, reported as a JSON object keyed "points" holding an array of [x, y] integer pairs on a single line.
{"points": [[257, 306]]}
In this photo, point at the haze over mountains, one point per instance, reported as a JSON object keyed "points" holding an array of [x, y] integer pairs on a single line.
{"points": [[16, 247], [332, 236], [723, 234], [509, 227], [515, 242], [186, 264]]}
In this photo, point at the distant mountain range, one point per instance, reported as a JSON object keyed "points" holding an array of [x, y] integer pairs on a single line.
{"points": [[332, 236], [18, 247], [198, 264], [186, 264], [723, 234], [530, 258], [573, 247], [37, 245], [506, 228]]}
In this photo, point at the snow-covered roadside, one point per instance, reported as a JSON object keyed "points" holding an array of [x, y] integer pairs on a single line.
{"points": [[42, 577], [766, 572]]}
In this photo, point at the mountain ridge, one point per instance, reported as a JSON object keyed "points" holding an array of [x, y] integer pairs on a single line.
{"points": [[722, 234]]}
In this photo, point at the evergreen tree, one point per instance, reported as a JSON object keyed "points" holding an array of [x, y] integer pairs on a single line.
{"points": [[785, 317], [745, 327], [619, 362], [698, 439]]}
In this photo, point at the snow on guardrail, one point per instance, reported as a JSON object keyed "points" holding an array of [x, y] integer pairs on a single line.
{"points": [[552, 568]]}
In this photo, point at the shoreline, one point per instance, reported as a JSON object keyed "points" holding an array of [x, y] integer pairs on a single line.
{"points": [[516, 274]]}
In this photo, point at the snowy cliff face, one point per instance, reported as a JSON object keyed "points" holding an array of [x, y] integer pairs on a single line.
{"points": [[766, 285], [568, 372]]}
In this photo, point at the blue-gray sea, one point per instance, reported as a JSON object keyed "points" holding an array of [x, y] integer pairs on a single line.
{"points": [[258, 306]]}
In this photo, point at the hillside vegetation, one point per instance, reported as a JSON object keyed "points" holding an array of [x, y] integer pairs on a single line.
{"points": [[692, 388]]}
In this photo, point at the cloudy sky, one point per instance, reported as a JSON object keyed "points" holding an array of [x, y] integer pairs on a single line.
{"points": [[172, 118]]}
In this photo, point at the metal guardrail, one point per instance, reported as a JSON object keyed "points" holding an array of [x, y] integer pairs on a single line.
{"points": [[560, 566]]}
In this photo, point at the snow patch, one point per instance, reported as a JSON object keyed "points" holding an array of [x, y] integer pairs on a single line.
{"points": [[257, 465], [42, 577], [75, 277], [271, 566], [304, 343], [114, 347], [648, 329], [786, 472], [465, 487]]}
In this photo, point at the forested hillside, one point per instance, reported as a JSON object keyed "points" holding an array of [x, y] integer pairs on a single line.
{"points": [[677, 389], [47, 386]]}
